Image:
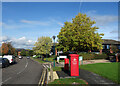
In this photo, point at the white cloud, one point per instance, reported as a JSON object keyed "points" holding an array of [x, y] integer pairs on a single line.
{"points": [[15, 26], [114, 31], [22, 42], [36, 22], [102, 19], [106, 19], [29, 23], [57, 22]]}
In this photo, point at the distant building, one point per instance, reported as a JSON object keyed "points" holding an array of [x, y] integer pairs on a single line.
{"points": [[107, 44], [19, 51]]}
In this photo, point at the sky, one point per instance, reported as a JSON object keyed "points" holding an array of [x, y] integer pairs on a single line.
{"points": [[23, 22]]}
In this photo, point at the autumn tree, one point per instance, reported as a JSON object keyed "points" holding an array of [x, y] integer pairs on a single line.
{"points": [[4, 48], [0, 52], [7, 49], [43, 45], [79, 35]]}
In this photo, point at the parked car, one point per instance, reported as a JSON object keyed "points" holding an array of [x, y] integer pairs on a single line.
{"points": [[34, 55], [20, 57], [4, 62], [28, 57], [11, 58]]}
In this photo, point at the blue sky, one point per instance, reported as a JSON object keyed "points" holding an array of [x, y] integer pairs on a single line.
{"points": [[24, 22]]}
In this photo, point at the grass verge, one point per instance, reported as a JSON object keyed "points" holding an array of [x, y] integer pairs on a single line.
{"points": [[107, 70], [49, 59], [57, 68], [68, 81], [36, 59]]}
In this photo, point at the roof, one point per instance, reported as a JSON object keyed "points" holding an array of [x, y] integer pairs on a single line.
{"points": [[110, 41]]}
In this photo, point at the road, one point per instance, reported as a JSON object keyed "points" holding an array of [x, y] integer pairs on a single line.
{"points": [[26, 71]]}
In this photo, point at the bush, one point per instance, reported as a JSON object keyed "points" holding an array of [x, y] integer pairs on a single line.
{"points": [[100, 56], [87, 56], [92, 56]]}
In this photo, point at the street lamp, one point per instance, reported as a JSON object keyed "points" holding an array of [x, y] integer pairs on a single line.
{"points": [[46, 49], [54, 45], [54, 49]]}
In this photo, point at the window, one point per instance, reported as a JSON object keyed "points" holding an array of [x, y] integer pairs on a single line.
{"points": [[103, 46], [108, 46], [119, 47]]}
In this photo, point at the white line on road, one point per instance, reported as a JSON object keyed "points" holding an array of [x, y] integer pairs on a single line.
{"points": [[44, 66], [7, 79], [24, 68]]}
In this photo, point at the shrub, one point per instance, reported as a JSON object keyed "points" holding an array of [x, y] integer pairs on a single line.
{"points": [[91, 56], [100, 56], [86, 56]]}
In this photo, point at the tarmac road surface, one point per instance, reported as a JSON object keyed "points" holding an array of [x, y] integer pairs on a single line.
{"points": [[25, 71]]}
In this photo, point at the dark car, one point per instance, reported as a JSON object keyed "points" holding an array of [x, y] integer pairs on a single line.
{"points": [[4, 62]]}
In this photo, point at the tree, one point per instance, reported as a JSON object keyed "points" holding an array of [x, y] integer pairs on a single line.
{"points": [[31, 52], [23, 53], [7, 49], [79, 35], [4, 49], [43, 45], [27, 53], [11, 48], [0, 52]]}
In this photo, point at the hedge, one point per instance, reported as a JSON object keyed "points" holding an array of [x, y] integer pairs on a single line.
{"points": [[92, 56]]}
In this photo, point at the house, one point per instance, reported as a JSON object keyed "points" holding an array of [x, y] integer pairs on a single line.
{"points": [[107, 44]]}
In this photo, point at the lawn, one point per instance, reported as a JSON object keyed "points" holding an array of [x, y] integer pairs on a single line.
{"points": [[107, 70], [68, 81]]}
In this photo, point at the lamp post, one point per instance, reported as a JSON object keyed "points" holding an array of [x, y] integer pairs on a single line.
{"points": [[46, 49], [54, 49]]}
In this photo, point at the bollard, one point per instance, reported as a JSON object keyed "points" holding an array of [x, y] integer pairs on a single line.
{"points": [[80, 60], [54, 63], [66, 64]]}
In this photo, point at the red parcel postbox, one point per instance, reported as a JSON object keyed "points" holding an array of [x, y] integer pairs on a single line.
{"points": [[66, 64], [74, 64]]}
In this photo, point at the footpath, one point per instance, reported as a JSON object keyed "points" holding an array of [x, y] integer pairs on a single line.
{"points": [[90, 77]]}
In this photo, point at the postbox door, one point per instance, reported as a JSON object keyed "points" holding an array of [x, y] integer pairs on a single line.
{"points": [[74, 65]]}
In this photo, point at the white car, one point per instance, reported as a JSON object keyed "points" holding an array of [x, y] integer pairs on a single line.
{"points": [[34, 55], [20, 57], [11, 58]]}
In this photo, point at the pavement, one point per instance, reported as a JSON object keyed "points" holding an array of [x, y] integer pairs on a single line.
{"points": [[25, 71], [90, 77]]}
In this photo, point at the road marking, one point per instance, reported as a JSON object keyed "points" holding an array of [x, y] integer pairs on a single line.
{"points": [[7, 79], [41, 78], [47, 66], [24, 68], [44, 66]]}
